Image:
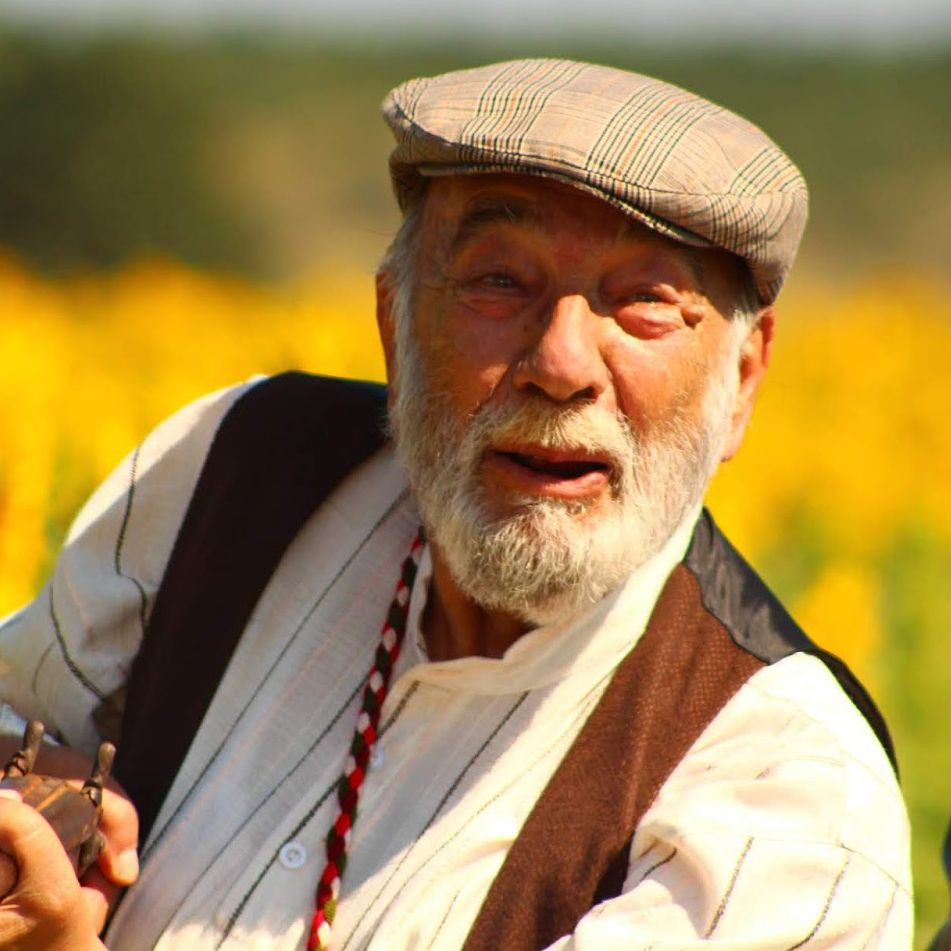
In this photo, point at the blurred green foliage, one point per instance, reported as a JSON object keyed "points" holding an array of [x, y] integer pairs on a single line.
{"points": [[916, 609], [267, 155], [102, 156]]}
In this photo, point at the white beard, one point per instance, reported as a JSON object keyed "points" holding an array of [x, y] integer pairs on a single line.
{"points": [[548, 559]]}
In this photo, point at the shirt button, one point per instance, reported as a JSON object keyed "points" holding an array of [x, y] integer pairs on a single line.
{"points": [[377, 758], [292, 855]]}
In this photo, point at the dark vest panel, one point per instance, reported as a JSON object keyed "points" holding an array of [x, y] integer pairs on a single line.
{"points": [[283, 447]]}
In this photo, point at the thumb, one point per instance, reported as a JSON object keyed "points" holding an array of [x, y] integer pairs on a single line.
{"points": [[9, 873], [119, 827]]}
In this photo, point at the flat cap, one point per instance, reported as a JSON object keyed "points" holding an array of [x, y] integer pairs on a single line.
{"points": [[676, 162]]}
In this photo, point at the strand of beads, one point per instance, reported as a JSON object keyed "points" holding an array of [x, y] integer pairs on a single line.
{"points": [[364, 736]]}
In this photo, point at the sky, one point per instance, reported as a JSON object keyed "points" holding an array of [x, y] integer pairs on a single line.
{"points": [[885, 23]]}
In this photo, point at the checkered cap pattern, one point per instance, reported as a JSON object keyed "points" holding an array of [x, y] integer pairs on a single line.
{"points": [[681, 165]]}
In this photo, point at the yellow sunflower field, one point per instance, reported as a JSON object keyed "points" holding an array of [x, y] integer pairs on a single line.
{"points": [[840, 496]]}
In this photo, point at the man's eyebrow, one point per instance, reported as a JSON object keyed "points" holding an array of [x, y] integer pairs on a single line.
{"points": [[484, 212], [631, 229]]}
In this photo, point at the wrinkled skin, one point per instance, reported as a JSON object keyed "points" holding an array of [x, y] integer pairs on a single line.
{"points": [[526, 287]]}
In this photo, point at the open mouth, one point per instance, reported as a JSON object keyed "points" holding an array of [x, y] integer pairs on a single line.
{"points": [[557, 473], [558, 468]]}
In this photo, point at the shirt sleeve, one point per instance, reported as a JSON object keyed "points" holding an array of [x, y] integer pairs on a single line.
{"points": [[782, 828], [65, 657]]}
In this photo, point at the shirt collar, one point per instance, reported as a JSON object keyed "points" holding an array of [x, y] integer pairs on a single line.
{"points": [[597, 638]]}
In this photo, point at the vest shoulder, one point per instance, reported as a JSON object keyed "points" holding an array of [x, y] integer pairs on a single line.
{"points": [[736, 595], [298, 394], [297, 413], [757, 622]]}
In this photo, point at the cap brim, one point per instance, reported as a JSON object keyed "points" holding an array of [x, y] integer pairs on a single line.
{"points": [[660, 225]]}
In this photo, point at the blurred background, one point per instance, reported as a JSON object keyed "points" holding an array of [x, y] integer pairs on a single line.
{"points": [[196, 192]]}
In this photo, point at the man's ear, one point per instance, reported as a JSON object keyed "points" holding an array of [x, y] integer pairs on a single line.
{"points": [[754, 358], [384, 322]]}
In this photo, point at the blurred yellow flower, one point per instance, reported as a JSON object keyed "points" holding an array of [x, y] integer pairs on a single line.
{"points": [[840, 612], [849, 441]]}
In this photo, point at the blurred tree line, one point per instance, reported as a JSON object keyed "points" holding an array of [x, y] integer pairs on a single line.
{"points": [[266, 154]]}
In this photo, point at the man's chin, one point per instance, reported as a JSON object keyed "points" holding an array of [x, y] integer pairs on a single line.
{"points": [[541, 560], [520, 508]]}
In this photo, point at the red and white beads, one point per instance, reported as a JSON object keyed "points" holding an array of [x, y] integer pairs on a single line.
{"points": [[364, 736]]}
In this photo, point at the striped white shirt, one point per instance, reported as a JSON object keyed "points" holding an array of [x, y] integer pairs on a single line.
{"points": [[782, 827]]}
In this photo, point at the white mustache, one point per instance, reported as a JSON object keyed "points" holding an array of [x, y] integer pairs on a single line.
{"points": [[586, 428]]}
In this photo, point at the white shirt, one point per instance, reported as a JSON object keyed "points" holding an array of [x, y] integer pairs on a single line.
{"points": [[782, 827]]}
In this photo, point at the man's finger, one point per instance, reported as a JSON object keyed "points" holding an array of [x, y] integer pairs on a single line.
{"points": [[8, 867], [94, 880], [97, 899], [8, 874], [45, 878], [119, 860]]}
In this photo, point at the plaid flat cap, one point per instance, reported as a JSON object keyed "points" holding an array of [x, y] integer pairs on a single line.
{"points": [[681, 165]]}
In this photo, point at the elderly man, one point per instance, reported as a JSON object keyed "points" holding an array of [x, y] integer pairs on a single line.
{"points": [[563, 712]]}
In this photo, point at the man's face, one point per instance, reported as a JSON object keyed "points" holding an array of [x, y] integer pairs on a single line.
{"points": [[566, 383]]}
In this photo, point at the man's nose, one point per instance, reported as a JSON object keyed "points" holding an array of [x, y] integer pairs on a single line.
{"points": [[564, 361]]}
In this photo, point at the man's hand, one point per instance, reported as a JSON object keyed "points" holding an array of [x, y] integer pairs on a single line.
{"points": [[46, 906], [43, 906]]}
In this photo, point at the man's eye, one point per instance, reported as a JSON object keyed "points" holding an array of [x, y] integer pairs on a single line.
{"points": [[644, 297], [501, 280]]}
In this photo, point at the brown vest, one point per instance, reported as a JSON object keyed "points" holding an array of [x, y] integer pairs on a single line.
{"points": [[277, 455], [573, 849]]}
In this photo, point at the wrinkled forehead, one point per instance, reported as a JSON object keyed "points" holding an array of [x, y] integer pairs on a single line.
{"points": [[457, 207], [456, 210]]}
